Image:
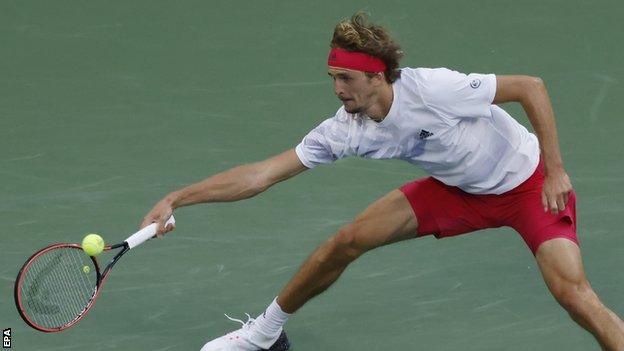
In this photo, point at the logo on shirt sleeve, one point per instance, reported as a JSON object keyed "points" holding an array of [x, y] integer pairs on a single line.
{"points": [[475, 83]]}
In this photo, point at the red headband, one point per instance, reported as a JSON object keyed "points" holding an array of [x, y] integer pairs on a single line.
{"points": [[355, 60]]}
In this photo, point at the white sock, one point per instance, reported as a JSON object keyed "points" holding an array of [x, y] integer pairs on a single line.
{"points": [[270, 322]]}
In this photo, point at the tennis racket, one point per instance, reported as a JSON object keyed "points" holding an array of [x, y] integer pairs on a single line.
{"points": [[59, 284]]}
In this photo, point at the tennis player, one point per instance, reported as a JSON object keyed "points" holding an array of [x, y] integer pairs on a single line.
{"points": [[486, 170]]}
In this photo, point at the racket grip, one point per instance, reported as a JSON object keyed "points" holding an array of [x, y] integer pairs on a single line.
{"points": [[146, 233]]}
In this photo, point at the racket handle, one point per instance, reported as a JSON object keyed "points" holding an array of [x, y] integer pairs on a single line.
{"points": [[146, 233]]}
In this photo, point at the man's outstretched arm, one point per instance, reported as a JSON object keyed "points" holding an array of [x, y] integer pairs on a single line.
{"points": [[531, 93], [235, 184]]}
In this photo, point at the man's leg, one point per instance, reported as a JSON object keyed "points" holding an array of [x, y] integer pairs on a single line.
{"points": [[562, 268], [388, 220]]}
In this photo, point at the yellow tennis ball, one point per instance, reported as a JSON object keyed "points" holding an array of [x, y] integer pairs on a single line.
{"points": [[93, 244], [86, 269]]}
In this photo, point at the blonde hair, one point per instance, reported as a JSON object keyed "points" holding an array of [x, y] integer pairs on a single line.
{"points": [[358, 34]]}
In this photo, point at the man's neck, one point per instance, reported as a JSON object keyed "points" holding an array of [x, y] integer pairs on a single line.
{"points": [[380, 108]]}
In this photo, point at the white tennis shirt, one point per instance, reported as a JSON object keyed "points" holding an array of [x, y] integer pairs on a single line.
{"points": [[442, 121]]}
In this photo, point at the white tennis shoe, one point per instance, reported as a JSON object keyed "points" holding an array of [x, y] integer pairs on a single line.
{"points": [[248, 338]]}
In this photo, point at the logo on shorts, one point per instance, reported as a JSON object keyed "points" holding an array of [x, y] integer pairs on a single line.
{"points": [[475, 83], [424, 134]]}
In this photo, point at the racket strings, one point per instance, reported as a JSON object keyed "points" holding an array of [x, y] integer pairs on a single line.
{"points": [[58, 286]]}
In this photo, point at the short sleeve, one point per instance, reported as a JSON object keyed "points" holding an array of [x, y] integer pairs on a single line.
{"points": [[457, 95], [315, 148]]}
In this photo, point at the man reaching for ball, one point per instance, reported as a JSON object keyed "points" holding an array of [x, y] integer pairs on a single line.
{"points": [[486, 171]]}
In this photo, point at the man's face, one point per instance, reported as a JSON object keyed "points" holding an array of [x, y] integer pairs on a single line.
{"points": [[353, 88]]}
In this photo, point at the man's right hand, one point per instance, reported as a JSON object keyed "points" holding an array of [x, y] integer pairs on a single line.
{"points": [[160, 214]]}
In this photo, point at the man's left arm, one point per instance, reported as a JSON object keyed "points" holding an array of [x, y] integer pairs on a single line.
{"points": [[531, 93]]}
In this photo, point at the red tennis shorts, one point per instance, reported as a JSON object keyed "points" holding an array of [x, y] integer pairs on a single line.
{"points": [[446, 211]]}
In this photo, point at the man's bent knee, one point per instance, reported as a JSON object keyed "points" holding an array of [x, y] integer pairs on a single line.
{"points": [[344, 245], [576, 298]]}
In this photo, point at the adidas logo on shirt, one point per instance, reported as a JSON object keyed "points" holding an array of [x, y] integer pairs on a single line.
{"points": [[424, 134]]}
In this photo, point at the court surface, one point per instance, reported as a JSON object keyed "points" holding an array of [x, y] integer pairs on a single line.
{"points": [[107, 106]]}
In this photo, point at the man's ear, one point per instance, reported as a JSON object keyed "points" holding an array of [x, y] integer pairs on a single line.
{"points": [[377, 78]]}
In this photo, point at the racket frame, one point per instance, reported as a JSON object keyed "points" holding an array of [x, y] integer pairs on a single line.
{"points": [[132, 241], [101, 279]]}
